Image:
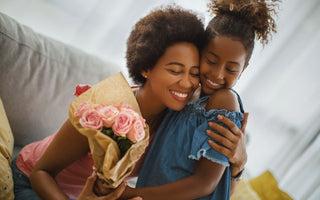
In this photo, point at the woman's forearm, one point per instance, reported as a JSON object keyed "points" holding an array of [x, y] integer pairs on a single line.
{"points": [[60, 154], [183, 189], [233, 187], [202, 183], [46, 186], [235, 172]]}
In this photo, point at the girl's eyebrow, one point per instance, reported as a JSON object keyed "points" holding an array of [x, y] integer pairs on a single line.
{"points": [[232, 62], [212, 53], [235, 63]]}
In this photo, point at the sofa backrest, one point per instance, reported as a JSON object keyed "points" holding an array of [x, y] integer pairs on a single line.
{"points": [[38, 76]]}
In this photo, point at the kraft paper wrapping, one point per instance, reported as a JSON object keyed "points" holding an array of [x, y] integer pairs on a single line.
{"points": [[105, 152]]}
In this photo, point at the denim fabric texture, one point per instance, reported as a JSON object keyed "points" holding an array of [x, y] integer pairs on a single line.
{"points": [[22, 186], [180, 142]]}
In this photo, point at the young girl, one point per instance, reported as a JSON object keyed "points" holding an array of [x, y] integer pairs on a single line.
{"points": [[163, 42], [180, 163]]}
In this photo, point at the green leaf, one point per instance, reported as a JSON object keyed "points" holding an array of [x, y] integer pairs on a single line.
{"points": [[123, 142]]}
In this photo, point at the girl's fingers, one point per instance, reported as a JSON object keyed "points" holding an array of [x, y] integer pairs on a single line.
{"points": [[223, 131], [234, 129], [218, 138], [219, 148]]}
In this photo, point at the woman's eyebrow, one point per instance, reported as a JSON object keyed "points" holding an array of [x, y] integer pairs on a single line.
{"points": [[175, 63]]}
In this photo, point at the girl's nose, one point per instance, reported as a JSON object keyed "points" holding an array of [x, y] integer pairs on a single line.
{"points": [[218, 72]]}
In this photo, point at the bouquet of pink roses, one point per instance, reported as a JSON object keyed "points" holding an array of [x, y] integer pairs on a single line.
{"points": [[118, 121], [109, 116]]}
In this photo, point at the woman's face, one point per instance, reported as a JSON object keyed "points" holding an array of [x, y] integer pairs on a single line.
{"points": [[222, 63], [175, 76]]}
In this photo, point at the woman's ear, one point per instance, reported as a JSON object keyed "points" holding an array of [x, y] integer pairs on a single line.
{"points": [[145, 74]]}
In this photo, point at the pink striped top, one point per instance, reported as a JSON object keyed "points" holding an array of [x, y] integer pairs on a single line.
{"points": [[71, 179]]}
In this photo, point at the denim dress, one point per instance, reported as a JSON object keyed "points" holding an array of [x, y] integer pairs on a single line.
{"points": [[180, 142]]}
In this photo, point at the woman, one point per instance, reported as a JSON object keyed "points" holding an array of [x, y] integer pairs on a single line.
{"points": [[171, 41]]}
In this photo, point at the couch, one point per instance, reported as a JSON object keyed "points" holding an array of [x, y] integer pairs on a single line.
{"points": [[38, 76]]}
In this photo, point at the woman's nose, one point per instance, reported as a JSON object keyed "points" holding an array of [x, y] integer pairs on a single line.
{"points": [[186, 81]]}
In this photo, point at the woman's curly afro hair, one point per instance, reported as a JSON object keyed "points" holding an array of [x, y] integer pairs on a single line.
{"points": [[154, 33]]}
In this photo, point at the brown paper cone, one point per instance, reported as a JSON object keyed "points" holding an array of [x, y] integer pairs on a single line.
{"points": [[105, 152]]}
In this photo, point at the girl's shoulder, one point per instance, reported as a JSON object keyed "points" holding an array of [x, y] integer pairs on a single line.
{"points": [[200, 107]]}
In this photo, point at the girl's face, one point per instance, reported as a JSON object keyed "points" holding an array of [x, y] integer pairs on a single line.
{"points": [[175, 76], [222, 63]]}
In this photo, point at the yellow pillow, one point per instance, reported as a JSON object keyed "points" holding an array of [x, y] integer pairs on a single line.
{"points": [[244, 192], [266, 186], [6, 148]]}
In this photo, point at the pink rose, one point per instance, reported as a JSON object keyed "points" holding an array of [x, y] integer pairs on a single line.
{"points": [[82, 108], [126, 106], [91, 119], [108, 113], [123, 122], [136, 133], [81, 88]]}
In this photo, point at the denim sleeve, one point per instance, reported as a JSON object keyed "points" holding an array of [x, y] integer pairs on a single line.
{"points": [[200, 146]]}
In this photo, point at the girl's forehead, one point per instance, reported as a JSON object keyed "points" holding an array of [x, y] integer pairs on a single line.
{"points": [[227, 48]]}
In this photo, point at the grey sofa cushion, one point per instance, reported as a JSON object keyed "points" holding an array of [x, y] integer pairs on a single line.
{"points": [[38, 76]]}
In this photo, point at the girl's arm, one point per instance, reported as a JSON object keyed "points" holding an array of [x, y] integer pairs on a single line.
{"points": [[232, 144], [67, 146], [207, 174], [202, 183]]}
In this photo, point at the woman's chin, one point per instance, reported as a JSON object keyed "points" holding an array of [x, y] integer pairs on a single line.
{"points": [[177, 107]]}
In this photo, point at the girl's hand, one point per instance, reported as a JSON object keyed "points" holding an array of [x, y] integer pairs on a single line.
{"points": [[88, 194], [232, 140]]}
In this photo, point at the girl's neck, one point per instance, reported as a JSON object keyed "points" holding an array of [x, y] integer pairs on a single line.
{"points": [[202, 94]]}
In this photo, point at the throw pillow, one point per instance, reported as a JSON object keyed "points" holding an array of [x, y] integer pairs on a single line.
{"points": [[244, 192], [6, 148], [266, 186]]}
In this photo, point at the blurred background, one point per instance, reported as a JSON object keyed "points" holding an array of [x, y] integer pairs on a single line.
{"points": [[280, 88]]}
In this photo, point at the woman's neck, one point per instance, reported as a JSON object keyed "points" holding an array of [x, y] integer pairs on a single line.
{"points": [[150, 109]]}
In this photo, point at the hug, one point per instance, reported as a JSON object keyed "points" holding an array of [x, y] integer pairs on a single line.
{"points": [[184, 75]]}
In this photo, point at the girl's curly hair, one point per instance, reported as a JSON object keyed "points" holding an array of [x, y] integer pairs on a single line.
{"points": [[245, 20]]}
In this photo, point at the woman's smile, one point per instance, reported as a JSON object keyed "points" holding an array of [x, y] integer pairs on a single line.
{"points": [[180, 96]]}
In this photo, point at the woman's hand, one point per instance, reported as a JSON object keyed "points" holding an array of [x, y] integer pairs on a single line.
{"points": [[88, 194], [232, 140]]}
